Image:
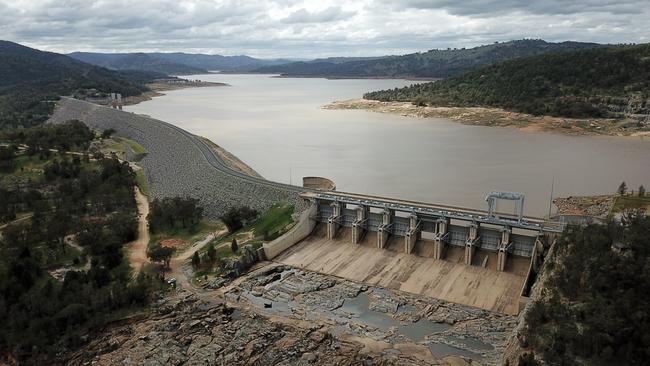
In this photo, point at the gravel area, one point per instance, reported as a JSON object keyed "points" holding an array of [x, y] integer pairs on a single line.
{"points": [[174, 166], [596, 206]]}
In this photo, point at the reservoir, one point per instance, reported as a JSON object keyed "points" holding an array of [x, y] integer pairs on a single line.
{"points": [[277, 126]]}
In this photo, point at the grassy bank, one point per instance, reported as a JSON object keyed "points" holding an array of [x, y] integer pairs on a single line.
{"points": [[137, 148], [622, 203], [185, 237], [268, 226]]}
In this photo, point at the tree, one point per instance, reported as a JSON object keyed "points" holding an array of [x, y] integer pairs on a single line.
{"points": [[196, 260], [212, 253], [641, 191], [420, 102], [97, 205], [168, 213], [158, 253], [235, 218], [107, 133], [622, 189], [232, 220], [233, 246], [7, 156]]}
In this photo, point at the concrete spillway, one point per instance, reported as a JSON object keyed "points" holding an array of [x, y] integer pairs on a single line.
{"points": [[450, 279], [465, 256]]}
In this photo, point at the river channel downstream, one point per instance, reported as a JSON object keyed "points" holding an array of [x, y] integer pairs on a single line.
{"points": [[277, 126]]}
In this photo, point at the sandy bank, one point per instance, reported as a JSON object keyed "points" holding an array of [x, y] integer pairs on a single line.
{"points": [[231, 160], [500, 118]]}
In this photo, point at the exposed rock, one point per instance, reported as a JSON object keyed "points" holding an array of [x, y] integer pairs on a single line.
{"points": [[306, 325]]}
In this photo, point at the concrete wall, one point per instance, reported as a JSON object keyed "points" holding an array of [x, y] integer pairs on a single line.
{"points": [[299, 231], [319, 183]]}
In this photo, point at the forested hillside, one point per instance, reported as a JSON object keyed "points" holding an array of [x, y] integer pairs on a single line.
{"points": [[594, 310], [30, 79], [431, 64], [64, 219], [603, 82], [183, 63], [137, 61]]}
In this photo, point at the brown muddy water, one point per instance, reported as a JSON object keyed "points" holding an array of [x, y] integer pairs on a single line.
{"points": [[276, 126]]}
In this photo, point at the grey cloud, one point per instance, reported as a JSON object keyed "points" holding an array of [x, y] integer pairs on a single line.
{"points": [[327, 15], [481, 7], [302, 28]]}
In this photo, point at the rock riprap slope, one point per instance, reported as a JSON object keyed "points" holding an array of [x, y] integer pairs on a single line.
{"points": [[174, 164]]}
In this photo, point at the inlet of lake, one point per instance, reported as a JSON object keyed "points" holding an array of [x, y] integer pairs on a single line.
{"points": [[276, 125]]}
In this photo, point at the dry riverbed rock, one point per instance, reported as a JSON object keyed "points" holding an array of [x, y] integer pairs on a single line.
{"points": [[311, 319]]}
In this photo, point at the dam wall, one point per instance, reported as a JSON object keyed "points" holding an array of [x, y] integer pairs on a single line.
{"points": [[298, 232], [466, 256], [319, 183]]}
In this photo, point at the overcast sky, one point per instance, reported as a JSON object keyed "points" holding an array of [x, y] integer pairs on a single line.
{"points": [[307, 29]]}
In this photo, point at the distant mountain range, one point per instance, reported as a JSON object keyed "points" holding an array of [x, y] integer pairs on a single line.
{"points": [[430, 64], [174, 63], [601, 82], [29, 78], [137, 61], [534, 76]]}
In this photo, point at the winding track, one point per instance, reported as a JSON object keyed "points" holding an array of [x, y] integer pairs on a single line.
{"points": [[215, 161]]}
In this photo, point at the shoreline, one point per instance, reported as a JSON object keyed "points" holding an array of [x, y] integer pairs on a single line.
{"points": [[409, 78], [228, 158], [329, 77], [157, 90], [495, 117]]}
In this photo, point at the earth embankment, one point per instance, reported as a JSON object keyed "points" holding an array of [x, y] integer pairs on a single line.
{"points": [[178, 163]]}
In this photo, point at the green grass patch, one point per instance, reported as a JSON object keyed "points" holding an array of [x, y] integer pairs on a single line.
{"points": [[203, 228], [137, 148], [113, 145], [273, 221], [271, 224], [630, 202], [141, 181], [57, 255], [224, 252], [28, 168], [110, 145]]}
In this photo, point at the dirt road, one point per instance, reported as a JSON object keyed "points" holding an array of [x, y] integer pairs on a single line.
{"points": [[16, 220], [138, 248], [180, 261]]}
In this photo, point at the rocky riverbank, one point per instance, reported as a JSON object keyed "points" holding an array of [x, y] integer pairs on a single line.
{"points": [[502, 118], [595, 206], [385, 322], [278, 315], [173, 165]]}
